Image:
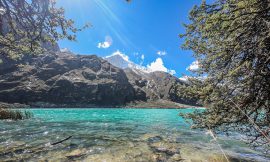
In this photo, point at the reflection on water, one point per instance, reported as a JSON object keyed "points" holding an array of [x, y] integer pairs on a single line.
{"points": [[112, 135]]}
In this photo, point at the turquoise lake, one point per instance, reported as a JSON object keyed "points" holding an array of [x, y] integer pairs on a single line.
{"points": [[114, 135]]}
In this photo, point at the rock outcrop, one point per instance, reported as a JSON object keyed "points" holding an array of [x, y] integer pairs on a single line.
{"points": [[62, 79], [157, 86]]}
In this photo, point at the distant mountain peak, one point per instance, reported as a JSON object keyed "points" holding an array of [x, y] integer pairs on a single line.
{"points": [[120, 55], [122, 61]]}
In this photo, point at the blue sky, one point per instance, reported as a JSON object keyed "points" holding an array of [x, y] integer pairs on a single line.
{"points": [[144, 30]]}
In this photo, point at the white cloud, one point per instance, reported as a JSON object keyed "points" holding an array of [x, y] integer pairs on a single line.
{"points": [[142, 56], [106, 44], [184, 78], [158, 65], [202, 78], [64, 50], [193, 66], [172, 72], [142, 59], [161, 53]]}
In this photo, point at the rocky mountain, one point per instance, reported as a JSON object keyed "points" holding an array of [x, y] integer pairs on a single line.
{"points": [[122, 61], [119, 61], [155, 85], [62, 79]]}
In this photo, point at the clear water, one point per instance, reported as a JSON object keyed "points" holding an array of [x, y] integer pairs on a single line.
{"points": [[113, 135]]}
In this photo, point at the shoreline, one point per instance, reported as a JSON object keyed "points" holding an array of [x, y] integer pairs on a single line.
{"points": [[159, 104], [29, 108]]}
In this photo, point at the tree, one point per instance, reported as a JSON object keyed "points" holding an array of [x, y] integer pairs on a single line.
{"points": [[25, 25], [231, 41]]}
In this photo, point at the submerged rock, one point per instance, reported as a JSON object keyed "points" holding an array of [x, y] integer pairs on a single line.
{"points": [[162, 149], [176, 157], [169, 149], [76, 154], [154, 139]]}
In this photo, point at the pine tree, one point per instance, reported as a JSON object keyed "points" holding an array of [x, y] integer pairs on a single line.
{"points": [[25, 25], [231, 41]]}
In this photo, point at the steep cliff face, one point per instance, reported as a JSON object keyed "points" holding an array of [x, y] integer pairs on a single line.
{"points": [[64, 79], [157, 85]]}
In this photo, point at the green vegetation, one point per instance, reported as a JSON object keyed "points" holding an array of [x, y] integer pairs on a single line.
{"points": [[231, 41], [26, 26], [14, 114]]}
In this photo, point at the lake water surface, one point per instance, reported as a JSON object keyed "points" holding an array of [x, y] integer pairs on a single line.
{"points": [[114, 135]]}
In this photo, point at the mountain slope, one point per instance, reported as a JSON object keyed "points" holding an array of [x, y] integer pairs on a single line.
{"points": [[155, 85], [122, 61], [62, 79]]}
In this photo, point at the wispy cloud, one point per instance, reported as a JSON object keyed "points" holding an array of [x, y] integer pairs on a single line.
{"points": [[114, 23], [142, 57], [193, 66], [65, 50], [106, 44], [161, 53]]}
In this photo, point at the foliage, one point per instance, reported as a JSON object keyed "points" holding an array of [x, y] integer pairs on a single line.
{"points": [[27, 25], [14, 114], [231, 41]]}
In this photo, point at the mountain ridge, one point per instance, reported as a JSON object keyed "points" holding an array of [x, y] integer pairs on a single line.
{"points": [[63, 79]]}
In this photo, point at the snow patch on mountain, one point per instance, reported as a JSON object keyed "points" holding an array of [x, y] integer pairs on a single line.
{"points": [[122, 61]]}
